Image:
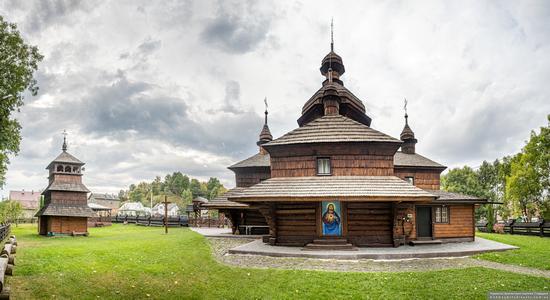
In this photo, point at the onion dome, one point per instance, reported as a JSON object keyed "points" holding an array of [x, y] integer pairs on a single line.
{"points": [[265, 134], [407, 136]]}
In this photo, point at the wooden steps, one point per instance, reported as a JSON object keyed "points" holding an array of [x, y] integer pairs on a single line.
{"points": [[425, 242], [331, 244]]}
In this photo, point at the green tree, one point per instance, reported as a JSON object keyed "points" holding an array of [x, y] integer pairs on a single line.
{"points": [[462, 180], [10, 211], [18, 62], [528, 184]]}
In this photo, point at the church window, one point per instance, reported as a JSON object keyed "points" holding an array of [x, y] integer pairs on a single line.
{"points": [[59, 168], [68, 169], [323, 166]]}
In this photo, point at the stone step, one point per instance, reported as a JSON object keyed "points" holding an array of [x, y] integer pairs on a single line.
{"points": [[425, 242], [335, 241], [325, 247]]}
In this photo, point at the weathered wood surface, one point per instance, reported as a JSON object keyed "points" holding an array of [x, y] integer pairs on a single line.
{"points": [[428, 179], [5, 293], [3, 269], [461, 221], [296, 224], [11, 258], [370, 224]]}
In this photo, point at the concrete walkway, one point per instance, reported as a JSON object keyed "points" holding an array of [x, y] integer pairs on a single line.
{"points": [[480, 245], [213, 232]]}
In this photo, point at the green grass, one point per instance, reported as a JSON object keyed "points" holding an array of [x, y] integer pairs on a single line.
{"points": [[534, 251], [132, 262]]}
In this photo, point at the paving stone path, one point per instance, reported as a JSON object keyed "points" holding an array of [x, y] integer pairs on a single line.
{"points": [[220, 247]]}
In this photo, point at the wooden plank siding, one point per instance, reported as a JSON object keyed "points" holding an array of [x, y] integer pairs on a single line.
{"points": [[370, 224], [68, 198], [460, 223], [67, 225], [251, 176], [428, 179], [341, 165]]}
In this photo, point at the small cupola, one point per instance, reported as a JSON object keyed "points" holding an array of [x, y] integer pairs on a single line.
{"points": [[265, 134], [407, 136], [332, 66]]}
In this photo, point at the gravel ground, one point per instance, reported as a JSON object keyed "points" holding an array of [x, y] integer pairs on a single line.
{"points": [[220, 247]]}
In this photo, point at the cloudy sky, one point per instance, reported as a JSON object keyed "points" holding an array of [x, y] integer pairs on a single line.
{"points": [[145, 88]]}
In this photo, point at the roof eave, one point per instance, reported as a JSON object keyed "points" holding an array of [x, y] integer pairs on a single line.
{"points": [[392, 198]]}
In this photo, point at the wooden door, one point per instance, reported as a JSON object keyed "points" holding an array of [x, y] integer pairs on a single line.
{"points": [[424, 222]]}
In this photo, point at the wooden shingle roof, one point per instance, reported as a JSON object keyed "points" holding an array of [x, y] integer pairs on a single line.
{"points": [[332, 129], [370, 188], [257, 160], [451, 197], [56, 209], [67, 186], [65, 158], [222, 201], [401, 159]]}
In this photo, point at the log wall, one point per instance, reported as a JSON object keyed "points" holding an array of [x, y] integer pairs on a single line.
{"points": [[428, 179], [67, 225], [296, 224], [461, 223], [370, 224]]}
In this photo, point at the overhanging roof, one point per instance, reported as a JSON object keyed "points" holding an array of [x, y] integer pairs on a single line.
{"points": [[221, 201], [66, 210], [360, 188], [256, 160], [401, 159], [66, 186], [450, 197], [66, 158], [332, 129]]}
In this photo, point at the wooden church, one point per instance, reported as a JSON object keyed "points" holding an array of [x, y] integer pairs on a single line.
{"points": [[336, 183], [65, 209]]}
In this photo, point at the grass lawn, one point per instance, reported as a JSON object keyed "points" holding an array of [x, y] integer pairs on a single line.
{"points": [[134, 262], [534, 251]]}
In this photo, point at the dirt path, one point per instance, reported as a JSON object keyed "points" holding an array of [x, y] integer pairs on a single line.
{"points": [[510, 268], [220, 246]]}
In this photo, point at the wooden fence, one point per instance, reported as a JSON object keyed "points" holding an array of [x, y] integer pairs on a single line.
{"points": [[541, 228], [7, 259], [150, 221]]}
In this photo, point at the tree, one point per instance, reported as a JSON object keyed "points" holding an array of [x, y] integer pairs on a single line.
{"points": [[10, 211], [18, 62], [528, 184], [462, 180]]}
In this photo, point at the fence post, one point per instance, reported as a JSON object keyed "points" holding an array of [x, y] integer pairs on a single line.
{"points": [[541, 226]]}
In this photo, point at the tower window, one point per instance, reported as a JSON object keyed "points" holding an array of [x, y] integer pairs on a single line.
{"points": [[323, 166], [59, 168], [410, 179], [68, 169]]}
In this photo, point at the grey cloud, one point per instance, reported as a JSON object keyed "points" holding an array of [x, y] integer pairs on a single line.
{"points": [[237, 28], [44, 13], [149, 46]]}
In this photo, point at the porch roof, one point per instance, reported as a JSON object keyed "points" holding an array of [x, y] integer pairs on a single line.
{"points": [[222, 201], [360, 188]]}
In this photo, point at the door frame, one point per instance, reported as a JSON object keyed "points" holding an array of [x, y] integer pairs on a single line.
{"points": [[431, 237]]}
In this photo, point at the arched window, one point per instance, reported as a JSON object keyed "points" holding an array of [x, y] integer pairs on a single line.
{"points": [[75, 169], [59, 168], [68, 169]]}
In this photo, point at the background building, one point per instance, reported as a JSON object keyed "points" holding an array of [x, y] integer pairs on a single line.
{"points": [[30, 201]]}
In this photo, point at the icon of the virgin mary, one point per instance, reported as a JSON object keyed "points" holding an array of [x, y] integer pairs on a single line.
{"points": [[331, 221]]}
